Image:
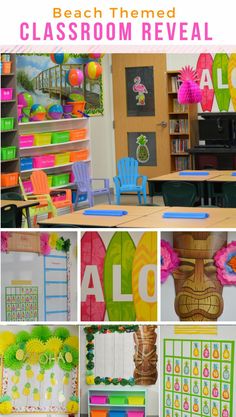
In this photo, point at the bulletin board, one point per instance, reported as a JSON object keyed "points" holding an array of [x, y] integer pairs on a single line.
{"points": [[21, 303], [198, 378]]}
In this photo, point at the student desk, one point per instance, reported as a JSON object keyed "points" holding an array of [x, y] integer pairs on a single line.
{"points": [[218, 218], [78, 219], [21, 204], [214, 185]]}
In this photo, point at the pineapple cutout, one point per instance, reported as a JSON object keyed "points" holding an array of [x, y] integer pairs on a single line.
{"points": [[142, 151]]}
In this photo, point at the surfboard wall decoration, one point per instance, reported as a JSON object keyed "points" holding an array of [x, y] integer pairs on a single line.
{"points": [[119, 278], [232, 79], [204, 71], [93, 253], [144, 282], [217, 79], [220, 81]]}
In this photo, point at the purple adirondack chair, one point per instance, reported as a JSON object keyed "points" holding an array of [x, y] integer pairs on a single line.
{"points": [[84, 183]]}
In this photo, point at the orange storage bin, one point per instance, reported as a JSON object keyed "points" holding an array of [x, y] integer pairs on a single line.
{"points": [[78, 106], [9, 179], [99, 413], [6, 67], [79, 155], [78, 134]]}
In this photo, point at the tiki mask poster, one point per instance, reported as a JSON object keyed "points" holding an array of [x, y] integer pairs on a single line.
{"points": [[198, 292]]}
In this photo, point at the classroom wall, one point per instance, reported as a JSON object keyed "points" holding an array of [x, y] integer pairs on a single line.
{"points": [[223, 333], [153, 391], [168, 292], [29, 266]]}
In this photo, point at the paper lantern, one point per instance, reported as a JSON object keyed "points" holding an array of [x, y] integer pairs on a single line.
{"points": [[93, 70], [189, 91], [74, 77]]}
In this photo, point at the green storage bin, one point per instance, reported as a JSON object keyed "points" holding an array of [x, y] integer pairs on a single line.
{"points": [[7, 123], [117, 399], [60, 137], [8, 152], [60, 179], [50, 177]]}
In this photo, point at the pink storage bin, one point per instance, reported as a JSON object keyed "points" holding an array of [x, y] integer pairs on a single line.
{"points": [[28, 186], [72, 177], [6, 93], [44, 161], [135, 413], [26, 141], [98, 399]]}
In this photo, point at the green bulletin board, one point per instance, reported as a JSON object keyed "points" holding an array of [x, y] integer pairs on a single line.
{"points": [[198, 378], [21, 303]]}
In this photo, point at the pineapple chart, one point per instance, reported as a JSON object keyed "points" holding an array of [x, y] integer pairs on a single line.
{"points": [[198, 378]]}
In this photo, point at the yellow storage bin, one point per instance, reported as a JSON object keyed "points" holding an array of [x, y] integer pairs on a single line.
{"points": [[138, 400], [62, 158], [42, 139]]}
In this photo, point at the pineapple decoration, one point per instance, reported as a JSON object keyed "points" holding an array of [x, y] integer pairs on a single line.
{"points": [[5, 405], [29, 372], [142, 151], [53, 379], [15, 393], [73, 405], [48, 393], [189, 92], [26, 389], [36, 394], [40, 376], [66, 378], [16, 377]]}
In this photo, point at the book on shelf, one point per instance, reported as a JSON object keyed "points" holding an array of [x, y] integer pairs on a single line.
{"points": [[179, 126], [179, 145], [175, 83], [181, 163], [179, 108]]}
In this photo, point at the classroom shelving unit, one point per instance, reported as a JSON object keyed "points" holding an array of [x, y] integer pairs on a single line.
{"points": [[10, 137], [134, 400], [55, 126], [184, 120]]}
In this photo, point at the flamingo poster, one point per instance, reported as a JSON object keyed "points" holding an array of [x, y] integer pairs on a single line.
{"points": [[140, 91]]}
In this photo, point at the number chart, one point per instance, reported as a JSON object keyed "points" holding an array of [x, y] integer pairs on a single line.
{"points": [[198, 378], [21, 303]]}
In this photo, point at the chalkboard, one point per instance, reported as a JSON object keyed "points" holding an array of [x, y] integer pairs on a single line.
{"points": [[145, 154], [140, 91]]}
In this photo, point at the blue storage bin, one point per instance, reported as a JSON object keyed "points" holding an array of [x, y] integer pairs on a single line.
{"points": [[82, 197], [117, 413], [26, 163]]}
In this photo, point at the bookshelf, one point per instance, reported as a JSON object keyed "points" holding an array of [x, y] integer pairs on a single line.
{"points": [[182, 124]]}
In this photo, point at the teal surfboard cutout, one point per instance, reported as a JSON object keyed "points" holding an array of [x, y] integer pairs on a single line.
{"points": [[222, 95], [120, 251]]}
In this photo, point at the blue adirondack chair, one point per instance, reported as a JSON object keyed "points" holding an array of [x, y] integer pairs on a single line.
{"points": [[128, 178], [84, 183]]}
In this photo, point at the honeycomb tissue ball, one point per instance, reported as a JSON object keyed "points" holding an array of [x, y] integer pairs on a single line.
{"points": [[59, 58], [25, 99], [54, 111], [74, 77], [37, 113], [96, 56], [93, 70]]}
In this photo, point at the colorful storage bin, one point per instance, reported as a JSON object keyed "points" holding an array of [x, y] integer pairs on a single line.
{"points": [[7, 153], [60, 137], [60, 179], [117, 413], [135, 414], [78, 134], [117, 399], [50, 177], [26, 141], [28, 186], [81, 155], [99, 413], [78, 108], [6, 67], [6, 94], [60, 196], [42, 139], [26, 164], [9, 179], [62, 158], [7, 123], [98, 399], [44, 161], [136, 400]]}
